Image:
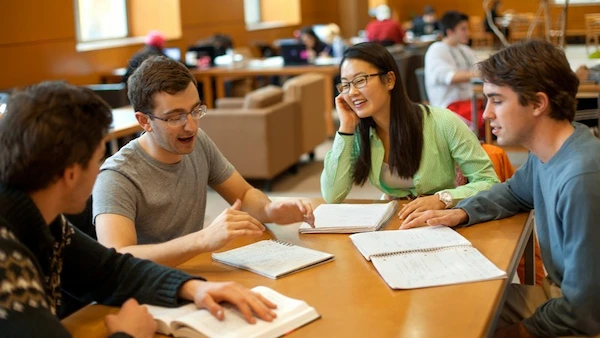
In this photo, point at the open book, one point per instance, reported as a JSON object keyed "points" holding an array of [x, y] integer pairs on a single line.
{"points": [[273, 258], [424, 257], [349, 218], [189, 321]]}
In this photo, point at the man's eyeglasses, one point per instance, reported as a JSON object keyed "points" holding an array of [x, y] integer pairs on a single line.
{"points": [[181, 119], [358, 82]]}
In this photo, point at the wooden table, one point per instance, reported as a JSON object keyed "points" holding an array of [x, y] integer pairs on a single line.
{"points": [[586, 90], [124, 124], [353, 299], [221, 74]]}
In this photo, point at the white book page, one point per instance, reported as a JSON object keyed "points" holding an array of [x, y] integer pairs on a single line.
{"points": [[349, 215], [441, 267], [234, 324], [391, 241], [271, 258], [164, 315]]}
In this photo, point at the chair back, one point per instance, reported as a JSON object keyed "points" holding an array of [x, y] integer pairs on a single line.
{"points": [[420, 74]]}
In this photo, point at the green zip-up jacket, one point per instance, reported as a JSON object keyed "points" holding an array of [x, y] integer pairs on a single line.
{"points": [[447, 140]]}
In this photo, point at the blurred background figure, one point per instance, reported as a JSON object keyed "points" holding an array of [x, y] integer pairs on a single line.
{"points": [[334, 39], [384, 29], [314, 46], [496, 18], [426, 24], [154, 45]]}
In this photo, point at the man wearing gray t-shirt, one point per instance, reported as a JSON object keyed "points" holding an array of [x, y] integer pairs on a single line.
{"points": [[150, 197]]}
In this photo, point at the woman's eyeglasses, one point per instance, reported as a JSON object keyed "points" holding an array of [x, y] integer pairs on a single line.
{"points": [[358, 82]]}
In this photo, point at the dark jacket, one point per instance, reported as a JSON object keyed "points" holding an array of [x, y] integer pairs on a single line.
{"points": [[41, 263]]}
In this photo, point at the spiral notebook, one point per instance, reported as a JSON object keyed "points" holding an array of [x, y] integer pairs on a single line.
{"points": [[273, 258], [425, 257]]}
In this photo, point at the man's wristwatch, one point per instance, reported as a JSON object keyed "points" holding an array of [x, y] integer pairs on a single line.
{"points": [[445, 197]]}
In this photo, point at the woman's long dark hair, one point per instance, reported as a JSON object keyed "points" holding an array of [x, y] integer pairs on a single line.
{"points": [[406, 119]]}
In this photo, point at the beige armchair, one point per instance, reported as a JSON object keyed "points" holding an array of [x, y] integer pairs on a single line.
{"points": [[256, 133], [309, 91]]}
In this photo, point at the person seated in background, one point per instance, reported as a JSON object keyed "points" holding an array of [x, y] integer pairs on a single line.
{"points": [[154, 45], [150, 198], [406, 150], [588, 74], [43, 257], [314, 46], [528, 106], [426, 24], [384, 29], [449, 68]]}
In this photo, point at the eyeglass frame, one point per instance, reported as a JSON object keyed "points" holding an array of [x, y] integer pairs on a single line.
{"points": [[201, 107], [351, 83]]}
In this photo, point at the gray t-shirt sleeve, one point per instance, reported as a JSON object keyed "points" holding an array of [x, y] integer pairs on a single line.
{"points": [[114, 194], [220, 168]]}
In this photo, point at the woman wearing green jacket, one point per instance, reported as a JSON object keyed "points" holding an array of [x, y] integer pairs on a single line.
{"points": [[407, 150]]}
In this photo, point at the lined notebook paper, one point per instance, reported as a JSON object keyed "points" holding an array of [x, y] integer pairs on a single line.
{"points": [[350, 218], [424, 257], [273, 258]]}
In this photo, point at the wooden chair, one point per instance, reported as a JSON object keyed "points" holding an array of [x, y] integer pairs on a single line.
{"points": [[592, 29], [479, 37]]}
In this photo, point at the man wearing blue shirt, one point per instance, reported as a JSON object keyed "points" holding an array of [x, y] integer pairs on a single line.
{"points": [[531, 102]]}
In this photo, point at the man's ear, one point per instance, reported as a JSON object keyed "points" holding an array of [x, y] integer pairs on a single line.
{"points": [[70, 175], [541, 105], [144, 121]]}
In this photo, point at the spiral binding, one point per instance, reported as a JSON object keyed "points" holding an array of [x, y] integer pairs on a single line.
{"points": [[282, 242], [298, 246], [422, 250]]}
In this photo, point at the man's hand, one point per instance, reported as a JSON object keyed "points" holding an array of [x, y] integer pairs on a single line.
{"points": [[583, 73], [421, 204], [449, 218], [287, 212], [517, 330], [132, 319], [208, 295], [230, 224]]}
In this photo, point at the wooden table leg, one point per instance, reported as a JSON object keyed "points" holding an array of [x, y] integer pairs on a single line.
{"points": [[220, 84], [208, 91], [530, 261]]}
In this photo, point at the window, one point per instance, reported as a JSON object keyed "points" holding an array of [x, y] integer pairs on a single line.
{"points": [[260, 14], [577, 2], [101, 19]]}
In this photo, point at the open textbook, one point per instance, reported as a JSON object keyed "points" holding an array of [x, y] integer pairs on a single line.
{"points": [[189, 321], [349, 218], [424, 257], [273, 258]]}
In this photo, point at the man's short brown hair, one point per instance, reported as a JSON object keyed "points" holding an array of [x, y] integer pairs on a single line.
{"points": [[532, 67], [47, 128], [155, 75]]}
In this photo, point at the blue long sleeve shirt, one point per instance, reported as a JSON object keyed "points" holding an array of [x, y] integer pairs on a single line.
{"points": [[565, 193]]}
